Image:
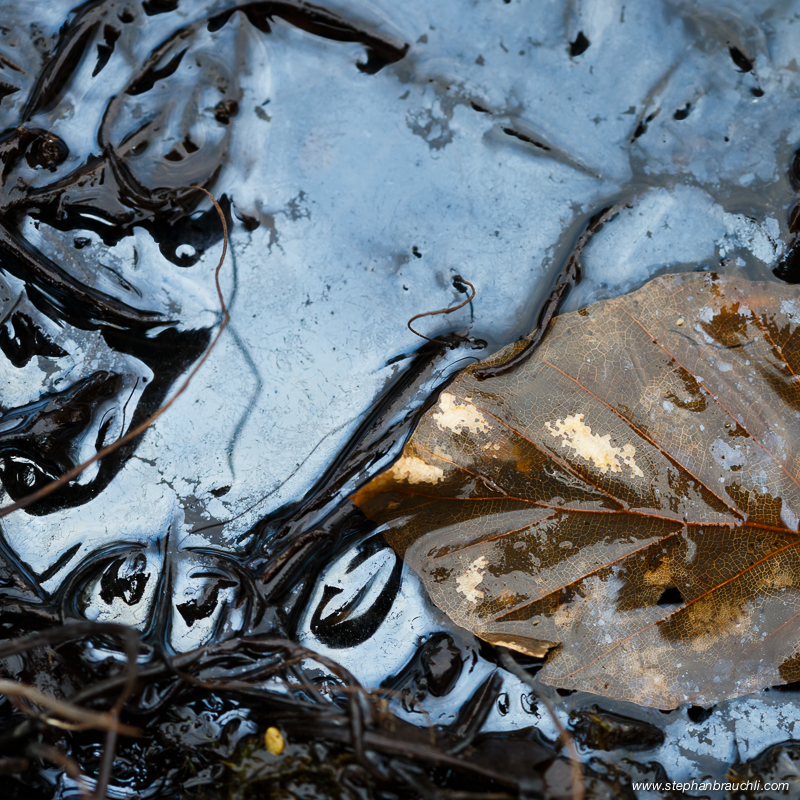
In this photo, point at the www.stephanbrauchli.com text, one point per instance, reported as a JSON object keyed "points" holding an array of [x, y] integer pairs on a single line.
{"points": [[709, 786]]}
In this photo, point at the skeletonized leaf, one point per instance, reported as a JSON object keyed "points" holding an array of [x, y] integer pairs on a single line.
{"points": [[627, 499]]}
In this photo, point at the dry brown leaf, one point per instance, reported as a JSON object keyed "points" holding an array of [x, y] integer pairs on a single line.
{"points": [[626, 500]]}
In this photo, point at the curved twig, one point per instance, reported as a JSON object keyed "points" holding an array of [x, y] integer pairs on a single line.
{"points": [[55, 756], [456, 280], [49, 488], [66, 633], [77, 717], [569, 276], [86, 719]]}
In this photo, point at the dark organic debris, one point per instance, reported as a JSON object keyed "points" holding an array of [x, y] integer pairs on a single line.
{"points": [[740, 59], [568, 276], [179, 699], [599, 729], [579, 46]]}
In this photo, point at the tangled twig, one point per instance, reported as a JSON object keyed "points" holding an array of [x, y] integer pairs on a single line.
{"points": [[71, 715], [81, 718], [349, 714]]}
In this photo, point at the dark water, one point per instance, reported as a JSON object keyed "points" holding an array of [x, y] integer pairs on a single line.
{"points": [[364, 154]]}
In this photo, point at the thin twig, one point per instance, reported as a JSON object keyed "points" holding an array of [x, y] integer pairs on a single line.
{"points": [[456, 280], [69, 765], [330, 722], [70, 475], [65, 633], [564, 736], [569, 276], [99, 720], [131, 670], [104, 774], [81, 718]]}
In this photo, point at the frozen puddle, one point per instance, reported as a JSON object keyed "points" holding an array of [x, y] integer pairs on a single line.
{"points": [[357, 188]]}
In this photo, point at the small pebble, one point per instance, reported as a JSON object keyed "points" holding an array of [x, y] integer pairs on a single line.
{"points": [[680, 320], [273, 739]]}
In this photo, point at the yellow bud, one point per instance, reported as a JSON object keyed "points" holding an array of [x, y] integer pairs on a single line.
{"points": [[274, 741]]}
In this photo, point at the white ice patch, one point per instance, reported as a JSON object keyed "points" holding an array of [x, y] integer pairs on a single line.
{"points": [[788, 517], [725, 455], [744, 233], [706, 314], [791, 308], [665, 227], [688, 746], [760, 723]]}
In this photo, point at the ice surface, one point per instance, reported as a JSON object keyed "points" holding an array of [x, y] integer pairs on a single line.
{"points": [[356, 198], [373, 190]]}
